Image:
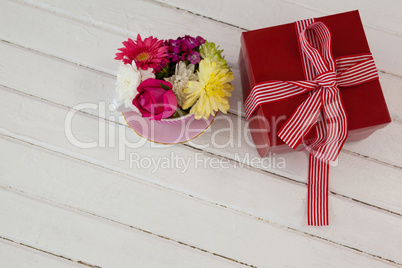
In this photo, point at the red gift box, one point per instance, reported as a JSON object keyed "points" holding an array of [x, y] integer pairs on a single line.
{"points": [[311, 84], [274, 54]]}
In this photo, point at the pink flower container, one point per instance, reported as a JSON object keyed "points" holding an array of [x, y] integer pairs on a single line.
{"points": [[168, 131]]}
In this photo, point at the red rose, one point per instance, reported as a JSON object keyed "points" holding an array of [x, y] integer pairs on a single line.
{"points": [[155, 99]]}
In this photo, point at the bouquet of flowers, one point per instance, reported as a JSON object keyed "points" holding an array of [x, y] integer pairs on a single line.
{"points": [[163, 79]]}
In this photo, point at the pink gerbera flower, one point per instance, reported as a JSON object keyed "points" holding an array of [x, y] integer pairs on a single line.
{"points": [[146, 54]]}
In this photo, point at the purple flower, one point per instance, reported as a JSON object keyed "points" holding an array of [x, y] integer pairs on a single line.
{"points": [[175, 42], [189, 43], [182, 49], [194, 57], [174, 57], [174, 45], [200, 40], [175, 49], [183, 57], [158, 68], [162, 65]]}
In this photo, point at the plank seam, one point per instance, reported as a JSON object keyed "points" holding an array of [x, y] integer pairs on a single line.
{"points": [[372, 159], [49, 253], [196, 14], [56, 58], [358, 250]]}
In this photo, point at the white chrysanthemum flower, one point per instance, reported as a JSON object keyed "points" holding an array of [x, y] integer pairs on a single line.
{"points": [[128, 79], [183, 74], [149, 73]]}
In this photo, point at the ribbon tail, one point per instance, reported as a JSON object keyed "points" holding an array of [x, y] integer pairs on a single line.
{"points": [[302, 120], [336, 126], [320, 135], [317, 211]]}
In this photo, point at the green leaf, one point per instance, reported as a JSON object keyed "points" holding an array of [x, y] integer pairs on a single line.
{"points": [[179, 112], [167, 71], [165, 87]]}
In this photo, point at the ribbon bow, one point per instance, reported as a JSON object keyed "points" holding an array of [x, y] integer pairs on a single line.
{"points": [[324, 75]]}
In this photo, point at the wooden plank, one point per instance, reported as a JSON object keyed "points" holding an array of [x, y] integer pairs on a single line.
{"points": [[15, 255], [132, 202], [391, 86], [382, 26], [383, 143], [85, 86], [262, 195], [91, 239]]}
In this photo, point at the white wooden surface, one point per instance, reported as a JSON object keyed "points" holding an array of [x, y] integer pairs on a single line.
{"points": [[65, 206]]}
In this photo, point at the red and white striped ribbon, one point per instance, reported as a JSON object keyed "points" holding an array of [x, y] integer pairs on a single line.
{"points": [[323, 76]]}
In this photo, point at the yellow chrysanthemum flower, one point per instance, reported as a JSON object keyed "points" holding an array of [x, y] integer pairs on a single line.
{"points": [[211, 92]]}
